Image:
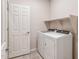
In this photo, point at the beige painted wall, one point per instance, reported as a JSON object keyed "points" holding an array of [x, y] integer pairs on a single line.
{"points": [[39, 12], [63, 8]]}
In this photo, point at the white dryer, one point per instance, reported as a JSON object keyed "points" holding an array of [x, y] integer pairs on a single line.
{"points": [[55, 45]]}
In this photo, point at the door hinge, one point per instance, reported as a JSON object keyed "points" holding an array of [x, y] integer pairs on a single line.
{"points": [[7, 9], [7, 5], [7, 29]]}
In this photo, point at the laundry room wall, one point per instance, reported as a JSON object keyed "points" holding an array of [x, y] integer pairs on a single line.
{"points": [[63, 8], [39, 11]]}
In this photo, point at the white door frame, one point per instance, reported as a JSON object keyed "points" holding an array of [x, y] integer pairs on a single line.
{"points": [[4, 26]]}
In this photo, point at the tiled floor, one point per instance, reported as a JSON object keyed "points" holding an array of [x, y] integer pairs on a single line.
{"points": [[33, 55]]}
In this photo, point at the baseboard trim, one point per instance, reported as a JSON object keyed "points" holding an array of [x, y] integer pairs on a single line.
{"points": [[40, 54], [32, 50]]}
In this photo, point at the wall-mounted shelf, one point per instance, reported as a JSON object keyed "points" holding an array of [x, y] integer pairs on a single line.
{"points": [[49, 20], [64, 23]]}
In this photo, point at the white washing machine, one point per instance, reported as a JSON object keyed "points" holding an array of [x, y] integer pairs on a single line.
{"points": [[55, 45]]}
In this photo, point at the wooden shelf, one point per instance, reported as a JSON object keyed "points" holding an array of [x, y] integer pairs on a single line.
{"points": [[65, 18]]}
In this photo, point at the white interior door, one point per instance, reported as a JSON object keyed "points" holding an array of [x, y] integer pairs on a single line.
{"points": [[19, 28]]}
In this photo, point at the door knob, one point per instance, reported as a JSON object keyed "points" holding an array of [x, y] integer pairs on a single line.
{"points": [[28, 32]]}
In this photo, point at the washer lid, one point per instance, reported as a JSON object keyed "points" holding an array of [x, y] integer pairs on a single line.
{"points": [[54, 34]]}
